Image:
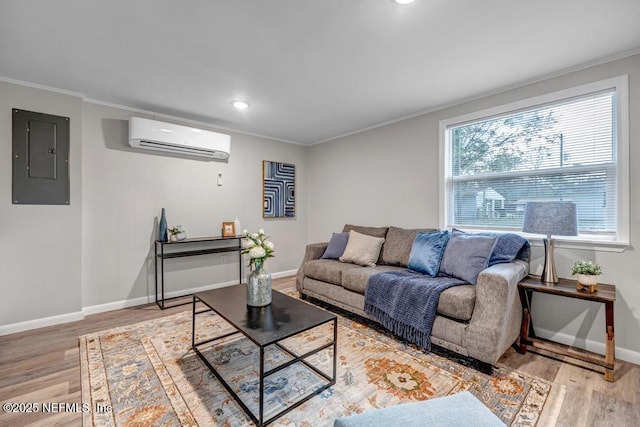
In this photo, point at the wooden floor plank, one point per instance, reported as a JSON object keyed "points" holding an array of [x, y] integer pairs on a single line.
{"points": [[577, 402], [608, 410], [532, 363], [29, 392], [45, 364], [63, 419]]}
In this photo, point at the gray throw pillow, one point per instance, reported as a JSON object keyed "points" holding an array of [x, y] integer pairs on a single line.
{"points": [[466, 255], [397, 245], [336, 246]]}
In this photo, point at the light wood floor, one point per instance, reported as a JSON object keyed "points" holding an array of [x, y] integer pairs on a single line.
{"points": [[43, 366]]}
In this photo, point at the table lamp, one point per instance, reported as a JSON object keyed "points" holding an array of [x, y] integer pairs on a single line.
{"points": [[550, 218]]}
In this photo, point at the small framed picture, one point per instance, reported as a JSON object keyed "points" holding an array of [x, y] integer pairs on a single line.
{"points": [[228, 229]]}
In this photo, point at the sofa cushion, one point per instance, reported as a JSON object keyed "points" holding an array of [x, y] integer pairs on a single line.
{"points": [[336, 246], [466, 255], [426, 252], [457, 302], [356, 279], [327, 270], [369, 231], [397, 245], [362, 249]]}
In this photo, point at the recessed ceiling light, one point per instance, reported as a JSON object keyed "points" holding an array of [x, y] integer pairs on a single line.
{"points": [[404, 1], [240, 105]]}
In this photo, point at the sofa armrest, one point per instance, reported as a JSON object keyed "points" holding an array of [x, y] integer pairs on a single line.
{"points": [[312, 251], [497, 315]]}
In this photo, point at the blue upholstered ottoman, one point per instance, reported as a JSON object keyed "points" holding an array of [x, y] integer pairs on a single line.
{"points": [[461, 409]]}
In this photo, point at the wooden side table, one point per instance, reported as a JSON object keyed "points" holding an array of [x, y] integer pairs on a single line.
{"points": [[605, 294]]}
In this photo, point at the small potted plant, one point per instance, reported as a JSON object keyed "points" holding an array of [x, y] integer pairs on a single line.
{"points": [[588, 274], [176, 233]]}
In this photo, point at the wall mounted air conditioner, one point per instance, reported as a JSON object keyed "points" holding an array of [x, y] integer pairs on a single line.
{"points": [[154, 135]]}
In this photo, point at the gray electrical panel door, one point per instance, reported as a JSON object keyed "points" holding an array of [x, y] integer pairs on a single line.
{"points": [[40, 158]]}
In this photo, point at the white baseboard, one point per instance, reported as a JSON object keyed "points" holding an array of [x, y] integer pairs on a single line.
{"points": [[101, 308], [116, 305], [589, 345], [40, 323], [284, 274]]}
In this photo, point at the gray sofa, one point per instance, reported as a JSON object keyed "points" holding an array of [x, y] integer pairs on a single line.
{"points": [[479, 321]]}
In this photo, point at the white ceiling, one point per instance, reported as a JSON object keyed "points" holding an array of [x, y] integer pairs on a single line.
{"points": [[311, 69]]}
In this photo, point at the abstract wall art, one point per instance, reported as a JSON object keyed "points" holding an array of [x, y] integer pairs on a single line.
{"points": [[278, 190]]}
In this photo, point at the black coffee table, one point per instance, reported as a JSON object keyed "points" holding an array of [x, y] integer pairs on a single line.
{"points": [[284, 318]]}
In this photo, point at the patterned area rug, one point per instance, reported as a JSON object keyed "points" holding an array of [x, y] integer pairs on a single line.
{"points": [[148, 375]]}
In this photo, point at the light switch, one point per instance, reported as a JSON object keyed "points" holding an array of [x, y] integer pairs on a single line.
{"points": [[219, 179]]}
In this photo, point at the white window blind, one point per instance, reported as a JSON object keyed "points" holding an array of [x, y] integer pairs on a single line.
{"points": [[565, 149]]}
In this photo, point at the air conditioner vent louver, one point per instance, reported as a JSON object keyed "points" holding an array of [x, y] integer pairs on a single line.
{"points": [[154, 135]]}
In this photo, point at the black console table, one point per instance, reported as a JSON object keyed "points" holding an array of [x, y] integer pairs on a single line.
{"points": [[191, 247]]}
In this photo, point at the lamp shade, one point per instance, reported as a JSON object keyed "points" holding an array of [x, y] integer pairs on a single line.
{"points": [[551, 218]]}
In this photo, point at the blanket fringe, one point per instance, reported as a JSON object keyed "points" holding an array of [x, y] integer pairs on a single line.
{"points": [[401, 329]]}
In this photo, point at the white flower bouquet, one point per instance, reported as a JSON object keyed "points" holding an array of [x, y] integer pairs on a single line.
{"points": [[257, 247]]}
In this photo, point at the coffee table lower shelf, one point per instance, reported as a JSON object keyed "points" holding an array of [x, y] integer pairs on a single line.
{"points": [[263, 374]]}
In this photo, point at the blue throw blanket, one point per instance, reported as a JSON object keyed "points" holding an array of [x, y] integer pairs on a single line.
{"points": [[406, 302]]}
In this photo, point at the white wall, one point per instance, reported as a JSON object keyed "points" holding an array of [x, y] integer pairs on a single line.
{"points": [[125, 190], [390, 176], [39, 245], [58, 262], [380, 177]]}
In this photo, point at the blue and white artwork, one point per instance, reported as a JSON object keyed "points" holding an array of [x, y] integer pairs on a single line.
{"points": [[278, 190]]}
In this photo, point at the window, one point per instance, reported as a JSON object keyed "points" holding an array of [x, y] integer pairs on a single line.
{"points": [[570, 145]]}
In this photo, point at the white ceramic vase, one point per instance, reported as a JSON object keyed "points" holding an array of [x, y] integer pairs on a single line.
{"points": [[236, 225], [588, 279]]}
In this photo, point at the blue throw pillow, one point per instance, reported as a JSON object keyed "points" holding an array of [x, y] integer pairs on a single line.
{"points": [[466, 255], [336, 246], [508, 247], [426, 252]]}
